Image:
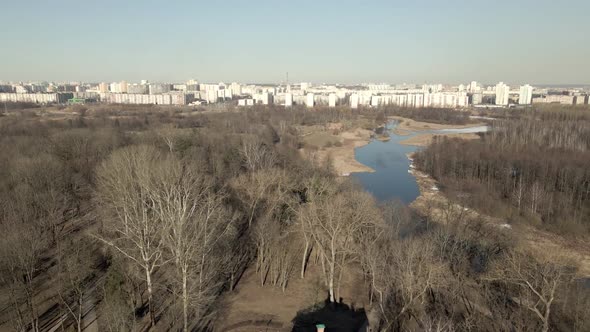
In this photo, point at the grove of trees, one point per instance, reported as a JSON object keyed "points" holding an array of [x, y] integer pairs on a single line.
{"points": [[532, 168], [145, 219]]}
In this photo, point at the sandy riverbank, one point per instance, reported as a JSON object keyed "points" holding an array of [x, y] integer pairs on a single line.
{"points": [[341, 151], [406, 125], [342, 143], [426, 139]]}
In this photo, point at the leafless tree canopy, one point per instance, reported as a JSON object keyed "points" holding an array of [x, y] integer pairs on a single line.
{"points": [[140, 218]]}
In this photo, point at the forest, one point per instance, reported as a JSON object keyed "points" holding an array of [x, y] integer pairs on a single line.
{"points": [[535, 167], [149, 219]]}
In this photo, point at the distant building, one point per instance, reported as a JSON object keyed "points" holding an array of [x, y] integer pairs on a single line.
{"points": [[502, 94], [525, 97], [375, 101], [173, 98], [227, 94], [332, 98], [555, 99], [476, 98], [123, 86], [179, 87], [114, 87], [235, 88], [266, 98], [310, 100], [159, 88], [103, 87], [582, 100], [21, 89], [288, 99], [354, 100], [211, 96], [38, 98], [137, 89]]}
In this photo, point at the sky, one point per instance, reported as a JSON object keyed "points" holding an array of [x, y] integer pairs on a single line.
{"points": [[340, 41]]}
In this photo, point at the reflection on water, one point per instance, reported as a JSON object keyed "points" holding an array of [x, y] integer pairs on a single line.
{"points": [[391, 178]]}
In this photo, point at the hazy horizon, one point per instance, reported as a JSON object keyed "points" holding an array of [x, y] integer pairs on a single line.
{"points": [[536, 42]]}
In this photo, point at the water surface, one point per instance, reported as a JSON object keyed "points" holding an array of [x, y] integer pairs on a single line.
{"points": [[391, 178]]}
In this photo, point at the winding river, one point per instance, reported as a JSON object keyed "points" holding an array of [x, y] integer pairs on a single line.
{"points": [[391, 178]]}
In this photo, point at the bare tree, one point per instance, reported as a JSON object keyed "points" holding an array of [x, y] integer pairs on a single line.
{"points": [[124, 194], [403, 278], [335, 225], [262, 192], [196, 222], [22, 246], [256, 155], [75, 267], [537, 279]]}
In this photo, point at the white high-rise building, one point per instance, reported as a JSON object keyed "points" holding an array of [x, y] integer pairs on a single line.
{"points": [[309, 101], [114, 87], [354, 101], [525, 96], [236, 89], [332, 100], [123, 86], [477, 98], [288, 99], [266, 98], [375, 101], [502, 94], [473, 86]]}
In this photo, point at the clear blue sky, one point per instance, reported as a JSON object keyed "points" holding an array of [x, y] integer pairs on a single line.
{"points": [[447, 41]]}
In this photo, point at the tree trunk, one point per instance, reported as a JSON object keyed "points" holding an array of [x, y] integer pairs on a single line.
{"points": [[148, 278], [331, 277], [80, 309], [304, 259], [184, 302]]}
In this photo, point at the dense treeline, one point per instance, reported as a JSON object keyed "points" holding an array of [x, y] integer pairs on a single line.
{"points": [[146, 218], [6, 106], [538, 164]]}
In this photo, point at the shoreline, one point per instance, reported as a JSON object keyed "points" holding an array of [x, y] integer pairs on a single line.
{"points": [[409, 125], [342, 156], [426, 139]]}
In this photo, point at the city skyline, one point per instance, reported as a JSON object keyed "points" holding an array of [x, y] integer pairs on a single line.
{"points": [[341, 42]]}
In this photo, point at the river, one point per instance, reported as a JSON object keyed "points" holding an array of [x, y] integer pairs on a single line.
{"points": [[392, 178]]}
